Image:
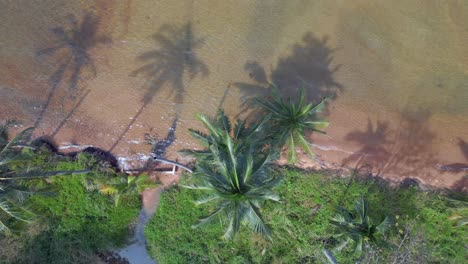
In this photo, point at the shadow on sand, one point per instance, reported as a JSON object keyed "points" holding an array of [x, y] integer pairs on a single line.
{"points": [[404, 151], [462, 184], [159, 146], [72, 54], [459, 167], [310, 66], [174, 58], [168, 65]]}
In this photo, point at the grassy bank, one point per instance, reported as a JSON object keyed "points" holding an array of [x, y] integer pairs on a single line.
{"points": [[72, 224], [421, 231]]}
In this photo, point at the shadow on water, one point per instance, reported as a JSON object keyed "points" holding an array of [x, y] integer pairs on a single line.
{"points": [[174, 59], [374, 149], [405, 150], [159, 147], [70, 114], [462, 184], [225, 95], [309, 66], [72, 47], [459, 167]]}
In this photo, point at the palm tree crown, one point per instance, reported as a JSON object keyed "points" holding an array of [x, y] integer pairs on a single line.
{"points": [[119, 186], [290, 120], [234, 172], [359, 227]]}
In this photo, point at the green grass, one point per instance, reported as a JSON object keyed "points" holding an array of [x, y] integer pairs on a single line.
{"points": [[72, 224], [301, 226]]}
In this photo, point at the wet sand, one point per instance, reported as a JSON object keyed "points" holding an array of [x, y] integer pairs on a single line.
{"points": [[398, 72]]}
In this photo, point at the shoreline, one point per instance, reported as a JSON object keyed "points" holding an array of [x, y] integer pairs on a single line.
{"points": [[323, 162]]}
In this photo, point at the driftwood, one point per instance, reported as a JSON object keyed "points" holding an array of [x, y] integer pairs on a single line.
{"points": [[174, 164]]}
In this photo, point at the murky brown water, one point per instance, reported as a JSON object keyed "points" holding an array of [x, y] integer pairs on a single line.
{"points": [[110, 71]]}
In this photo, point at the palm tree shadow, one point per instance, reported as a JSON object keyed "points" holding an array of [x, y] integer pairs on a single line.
{"points": [[462, 184], [70, 114], [159, 147], [405, 150], [72, 52], [309, 66], [374, 151], [260, 87], [458, 167], [174, 57]]}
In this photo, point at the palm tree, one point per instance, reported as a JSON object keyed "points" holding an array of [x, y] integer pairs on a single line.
{"points": [[119, 186], [359, 227], [220, 127], [290, 120], [16, 179], [234, 173]]}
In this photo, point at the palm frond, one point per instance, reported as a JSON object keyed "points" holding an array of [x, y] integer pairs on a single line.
{"points": [[108, 190], [37, 174], [304, 145], [211, 128], [359, 227], [235, 214], [202, 137], [361, 207], [210, 217], [320, 106], [292, 149], [207, 199], [22, 138], [385, 225], [256, 222]]}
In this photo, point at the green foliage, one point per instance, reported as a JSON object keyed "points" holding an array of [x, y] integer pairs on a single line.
{"points": [[234, 173], [459, 208], [75, 223], [246, 138], [290, 120], [301, 229], [118, 185], [19, 173], [359, 227]]}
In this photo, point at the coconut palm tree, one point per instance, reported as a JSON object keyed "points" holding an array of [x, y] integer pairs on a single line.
{"points": [[119, 186], [290, 120], [359, 227], [17, 175], [234, 172], [241, 133]]}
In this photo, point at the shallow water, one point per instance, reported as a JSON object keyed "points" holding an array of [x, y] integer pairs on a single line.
{"points": [[136, 251], [104, 73]]}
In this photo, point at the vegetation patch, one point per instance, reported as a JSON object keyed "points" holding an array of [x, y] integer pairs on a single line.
{"points": [[72, 223], [421, 231]]}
